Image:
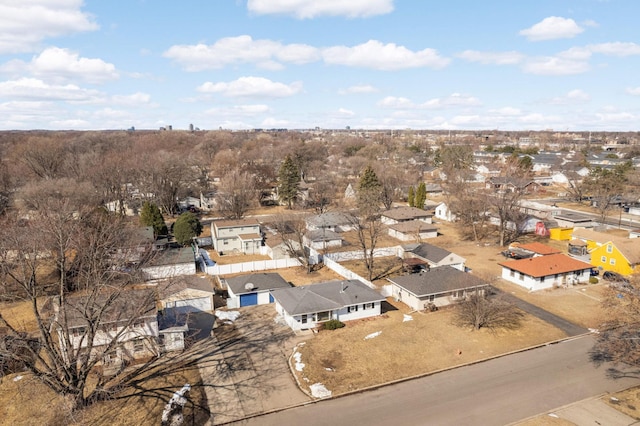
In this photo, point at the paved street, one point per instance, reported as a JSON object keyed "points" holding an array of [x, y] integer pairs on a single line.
{"points": [[496, 392]]}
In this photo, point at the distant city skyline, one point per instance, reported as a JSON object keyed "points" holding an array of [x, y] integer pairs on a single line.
{"points": [[299, 64]]}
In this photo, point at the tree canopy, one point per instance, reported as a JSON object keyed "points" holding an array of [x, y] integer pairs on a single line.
{"points": [[288, 181], [186, 228], [150, 215]]}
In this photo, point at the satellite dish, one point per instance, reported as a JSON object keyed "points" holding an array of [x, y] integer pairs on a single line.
{"points": [[249, 286]]}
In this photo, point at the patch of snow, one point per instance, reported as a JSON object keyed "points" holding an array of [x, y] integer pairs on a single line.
{"points": [[319, 391], [554, 415], [407, 318], [299, 364], [614, 399], [372, 335], [17, 378], [328, 369], [173, 409], [594, 330], [227, 315]]}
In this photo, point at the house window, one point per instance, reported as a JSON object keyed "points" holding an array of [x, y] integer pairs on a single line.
{"points": [[323, 316], [304, 319], [138, 323], [612, 261], [352, 308], [603, 259], [226, 242], [77, 332], [368, 306], [521, 276], [512, 273], [432, 297], [609, 248]]}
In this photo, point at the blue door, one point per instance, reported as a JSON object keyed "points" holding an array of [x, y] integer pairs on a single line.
{"points": [[248, 299], [270, 298]]}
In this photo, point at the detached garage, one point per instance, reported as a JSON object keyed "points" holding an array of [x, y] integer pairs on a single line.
{"points": [[253, 289], [187, 294]]}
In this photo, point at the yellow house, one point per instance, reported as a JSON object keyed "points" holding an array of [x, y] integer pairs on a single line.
{"points": [[609, 252]]}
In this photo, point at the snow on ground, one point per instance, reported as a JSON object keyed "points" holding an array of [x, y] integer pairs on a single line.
{"points": [[227, 315], [299, 364], [372, 335], [407, 318], [319, 391]]}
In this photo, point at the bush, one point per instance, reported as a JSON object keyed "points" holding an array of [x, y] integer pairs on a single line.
{"points": [[333, 324], [593, 280]]}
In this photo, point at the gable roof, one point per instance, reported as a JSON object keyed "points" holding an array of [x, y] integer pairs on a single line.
{"points": [[543, 266], [260, 282], [191, 282], [236, 223], [413, 226], [627, 246], [325, 296], [428, 251], [322, 235], [438, 280], [539, 248], [328, 219], [173, 256], [405, 213]]}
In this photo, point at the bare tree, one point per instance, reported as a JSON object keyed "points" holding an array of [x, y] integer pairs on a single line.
{"points": [[236, 194], [292, 228], [618, 338], [71, 336], [482, 311]]}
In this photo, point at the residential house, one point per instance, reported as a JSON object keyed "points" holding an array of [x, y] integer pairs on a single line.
{"points": [[609, 252], [405, 214], [276, 248], [542, 272], [432, 256], [332, 221], [187, 294], [536, 249], [129, 317], [443, 212], [438, 286], [322, 239], [253, 289], [310, 306], [539, 210], [412, 230], [239, 236], [170, 263], [433, 189], [512, 184]]}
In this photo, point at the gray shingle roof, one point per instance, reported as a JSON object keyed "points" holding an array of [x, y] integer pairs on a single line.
{"points": [[438, 280], [405, 213], [325, 296], [430, 252], [261, 282]]}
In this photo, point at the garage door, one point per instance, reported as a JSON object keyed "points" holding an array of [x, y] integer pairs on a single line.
{"points": [[194, 305], [248, 299]]}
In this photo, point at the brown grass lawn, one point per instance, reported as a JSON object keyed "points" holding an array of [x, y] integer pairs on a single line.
{"points": [[627, 401], [29, 402], [299, 276], [343, 360]]}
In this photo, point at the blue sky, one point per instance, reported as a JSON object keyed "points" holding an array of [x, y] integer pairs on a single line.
{"points": [[395, 64]]}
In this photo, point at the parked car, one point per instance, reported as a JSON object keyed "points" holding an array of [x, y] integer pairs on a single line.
{"points": [[594, 272], [614, 277]]}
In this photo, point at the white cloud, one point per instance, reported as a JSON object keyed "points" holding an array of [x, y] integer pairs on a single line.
{"points": [[304, 9], [508, 111], [60, 65], [635, 91], [362, 88], [31, 88], [452, 101], [24, 24], [274, 123], [252, 87], [552, 28], [343, 112], [576, 96], [495, 58], [138, 98], [552, 65], [243, 49], [387, 57], [616, 49]]}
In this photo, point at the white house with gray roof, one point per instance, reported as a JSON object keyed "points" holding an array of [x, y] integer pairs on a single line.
{"points": [[433, 256], [310, 306], [439, 286], [253, 289], [332, 221]]}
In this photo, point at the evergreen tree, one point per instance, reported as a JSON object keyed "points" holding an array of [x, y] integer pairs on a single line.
{"points": [[411, 197], [369, 192], [150, 215], [421, 195], [187, 227], [288, 181]]}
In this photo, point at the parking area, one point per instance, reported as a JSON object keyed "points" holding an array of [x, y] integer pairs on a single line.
{"points": [[244, 366]]}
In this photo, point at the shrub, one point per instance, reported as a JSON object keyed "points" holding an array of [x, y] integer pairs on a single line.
{"points": [[593, 280], [333, 324]]}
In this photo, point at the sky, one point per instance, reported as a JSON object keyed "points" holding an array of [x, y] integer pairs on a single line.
{"points": [[566, 65]]}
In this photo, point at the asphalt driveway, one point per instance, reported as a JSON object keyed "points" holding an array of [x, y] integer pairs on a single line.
{"points": [[244, 366]]}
